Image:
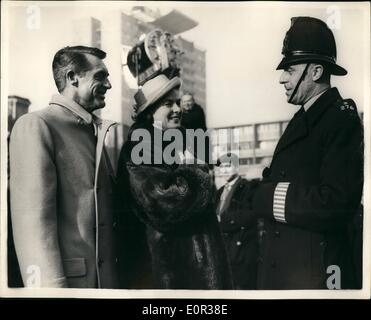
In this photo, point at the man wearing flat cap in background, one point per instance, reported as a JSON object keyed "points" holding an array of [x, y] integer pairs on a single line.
{"points": [[312, 190], [193, 116]]}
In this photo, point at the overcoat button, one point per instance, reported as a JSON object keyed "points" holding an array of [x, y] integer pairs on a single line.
{"points": [[114, 225], [277, 234], [242, 228], [282, 173], [238, 243], [232, 222]]}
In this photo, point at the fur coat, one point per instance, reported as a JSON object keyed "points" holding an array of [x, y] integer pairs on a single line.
{"points": [[171, 207]]}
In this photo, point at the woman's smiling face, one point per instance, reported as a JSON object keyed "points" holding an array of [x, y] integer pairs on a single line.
{"points": [[168, 113]]}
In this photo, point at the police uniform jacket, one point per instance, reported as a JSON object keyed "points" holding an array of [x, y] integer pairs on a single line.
{"points": [[309, 195], [61, 201], [238, 225]]}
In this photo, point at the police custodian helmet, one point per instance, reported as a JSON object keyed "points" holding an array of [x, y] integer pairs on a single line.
{"points": [[310, 40]]}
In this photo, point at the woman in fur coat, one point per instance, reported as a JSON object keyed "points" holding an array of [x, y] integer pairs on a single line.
{"points": [[171, 234]]}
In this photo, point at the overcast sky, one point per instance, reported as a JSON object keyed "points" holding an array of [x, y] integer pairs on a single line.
{"points": [[243, 43]]}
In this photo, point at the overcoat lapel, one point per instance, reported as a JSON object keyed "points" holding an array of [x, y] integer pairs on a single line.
{"points": [[299, 126], [102, 128], [296, 130]]}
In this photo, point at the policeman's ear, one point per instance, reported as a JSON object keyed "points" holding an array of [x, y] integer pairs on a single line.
{"points": [[71, 78], [317, 72]]}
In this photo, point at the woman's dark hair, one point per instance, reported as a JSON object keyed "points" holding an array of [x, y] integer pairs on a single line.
{"points": [[144, 120]]}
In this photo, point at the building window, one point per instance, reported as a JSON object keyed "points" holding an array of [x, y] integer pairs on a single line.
{"points": [[245, 161], [267, 145], [268, 131], [246, 145]]}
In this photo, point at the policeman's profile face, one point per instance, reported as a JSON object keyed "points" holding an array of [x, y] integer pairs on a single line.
{"points": [[290, 77]]}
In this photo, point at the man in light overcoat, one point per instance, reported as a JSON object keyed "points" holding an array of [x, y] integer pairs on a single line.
{"points": [[61, 181]]}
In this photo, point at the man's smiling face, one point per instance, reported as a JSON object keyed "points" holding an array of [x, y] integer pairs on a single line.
{"points": [[93, 85]]}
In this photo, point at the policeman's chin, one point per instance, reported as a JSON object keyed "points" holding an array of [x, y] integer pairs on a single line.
{"points": [[292, 100], [288, 96]]}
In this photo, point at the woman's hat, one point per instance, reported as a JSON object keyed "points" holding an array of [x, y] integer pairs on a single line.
{"points": [[153, 90], [310, 40]]}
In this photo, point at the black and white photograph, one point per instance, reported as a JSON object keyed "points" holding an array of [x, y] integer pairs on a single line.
{"points": [[185, 150]]}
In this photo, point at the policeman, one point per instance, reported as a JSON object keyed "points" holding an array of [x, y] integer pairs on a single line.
{"points": [[312, 190], [237, 223]]}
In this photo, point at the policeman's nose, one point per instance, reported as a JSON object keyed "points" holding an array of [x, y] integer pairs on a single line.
{"points": [[283, 77]]}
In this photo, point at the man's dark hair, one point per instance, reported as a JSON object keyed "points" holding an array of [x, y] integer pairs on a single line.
{"points": [[72, 58]]}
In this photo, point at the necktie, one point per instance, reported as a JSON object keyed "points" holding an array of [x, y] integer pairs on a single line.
{"points": [[223, 198]]}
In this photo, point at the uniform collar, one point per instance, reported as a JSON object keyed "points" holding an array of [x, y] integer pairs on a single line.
{"points": [[74, 107], [302, 121], [321, 105], [312, 100]]}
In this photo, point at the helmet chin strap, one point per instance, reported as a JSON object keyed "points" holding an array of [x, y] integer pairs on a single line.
{"points": [[299, 82]]}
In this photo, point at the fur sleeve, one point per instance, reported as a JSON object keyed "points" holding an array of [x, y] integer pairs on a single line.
{"points": [[167, 197]]}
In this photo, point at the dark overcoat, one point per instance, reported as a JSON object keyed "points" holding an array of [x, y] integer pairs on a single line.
{"points": [[309, 196], [171, 237], [239, 229]]}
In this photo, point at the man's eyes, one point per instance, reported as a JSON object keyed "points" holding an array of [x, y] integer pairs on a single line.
{"points": [[289, 71]]}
